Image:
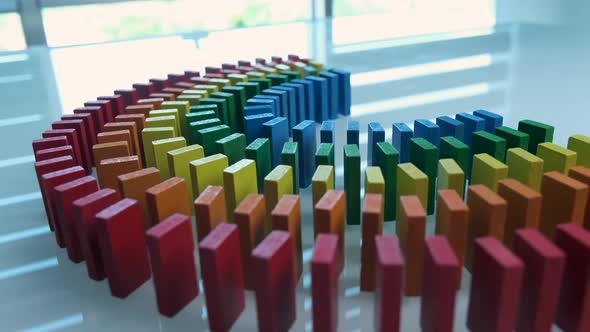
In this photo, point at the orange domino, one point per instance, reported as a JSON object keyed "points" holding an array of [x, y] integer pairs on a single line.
{"points": [[249, 216], [452, 216], [134, 185], [167, 198], [109, 169], [582, 174], [142, 109], [116, 136], [163, 95], [139, 120], [566, 201], [328, 217], [487, 217], [524, 207], [209, 210], [286, 216], [372, 226], [411, 231], [110, 150], [156, 103], [132, 127]]}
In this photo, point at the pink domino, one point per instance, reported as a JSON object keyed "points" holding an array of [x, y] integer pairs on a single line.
{"points": [[388, 283], [324, 283]]}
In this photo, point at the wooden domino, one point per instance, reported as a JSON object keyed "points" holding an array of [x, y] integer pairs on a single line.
{"points": [[207, 137], [325, 154], [427, 130], [250, 217], [538, 133], [110, 169], [48, 143], [161, 148], [352, 183], [580, 144], [72, 140], [374, 181], [209, 209], [524, 208], [556, 158], [451, 176], [259, 151], [321, 182], [163, 116], [401, 135], [387, 158], [59, 151], [472, 124], [134, 185], [389, 284], [411, 230], [327, 132], [132, 127], [352, 132], [207, 171], [424, 155], [488, 171], [305, 136], [375, 134], [277, 183], [324, 283], [87, 122], [129, 96], [451, 127], [328, 217], [286, 216], [513, 137], [117, 103], [179, 164], [148, 135], [233, 146], [451, 147], [239, 180], [582, 174], [106, 108], [290, 157], [167, 198], [98, 117], [411, 181], [372, 226], [492, 120], [110, 150], [485, 142], [525, 167]]}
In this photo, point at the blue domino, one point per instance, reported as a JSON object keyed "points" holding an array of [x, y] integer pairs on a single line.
{"points": [[304, 135], [277, 131], [282, 99], [451, 127], [376, 135], [291, 111], [327, 132], [332, 93], [352, 132], [253, 104], [276, 100], [492, 120], [309, 98], [344, 96], [320, 86], [401, 136], [253, 125], [299, 93], [472, 124], [427, 130]]}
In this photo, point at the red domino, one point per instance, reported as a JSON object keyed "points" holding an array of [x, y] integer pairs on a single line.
{"points": [[212, 70], [84, 211], [60, 151], [495, 287], [544, 264], [221, 267], [160, 83], [97, 114], [228, 66], [191, 73], [122, 246], [117, 104], [88, 124], [130, 96], [293, 57], [199, 80], [244, 63], [388, 284], [245, 69], [144, 89], [573, 311], [372, 225], [324, 283], [64, 196], [170, 246], [276, 59], [72, 140], [50, 181], [105, 106], [48, 166], [261, 61], [439, 285], [83, 143], [175, 78], [274, 282], [49, 142], [214, 75]]}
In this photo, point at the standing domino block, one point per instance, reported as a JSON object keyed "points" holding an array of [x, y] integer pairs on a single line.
{"points": [[88, 124], [451, 127], [344, 95], [310, 99], [64, 196], [411, 181], [556, 158], [105, 107], [387, 159], [60, 151], [452, 216], [110, 150], [324, 283], [401, 135], [484, 142], [567, 199], [327, 132], [130, 96], [80, 133], [274, 282], [524, 208], [472, 124], [328, 217], [134, 185], [222, 108], [427, 130], [49, 142], [110, 169], [352, 183], [250, 217], [163, 121], [372, 226], [411, 230], [221, 268], [148, 135], [352, 132], [49, 166], [167, 198], [233, 146], [451, 176], [277, 183], [450, 147], [388, 284], [488, 171], [495, 287], [525, 167], [230, 101], [72, 140], [333, 93], [207, 171], [207, 137], [325, 154], [97, 115], [83, 211], [290, 157], [439, 285], [513, 137], [276, 130], [239, 180], [320, 87], [374, 181], [424, 155], [132, 127], [209, 210], [170, 247], [195, 126], [487, 217], [259, 151], [376, 134], [580, 144], [161, 148], [286, 216], [122, 247], [299, 91], [544, 263], [582, 174], [239, 94], [304, 135], [179, 164], [321, 182], [117, 103], [492, 120], [573, 311], [253, 125], [538, 133]]}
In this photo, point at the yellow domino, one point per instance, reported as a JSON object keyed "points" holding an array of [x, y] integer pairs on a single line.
{"points": [[374, 181], [207, 87], [193, 99], [236, 78], [201, 93], [411, 181], [239, 180], [183, 107], [451, 176], [488, 171], [148, 135], [161, 148], [179, 164], [207, 171], [220, 83], [321, 182], [255, 74], [580, 144], [277, 183], [525, 167], [556, 158], [169, 112]]}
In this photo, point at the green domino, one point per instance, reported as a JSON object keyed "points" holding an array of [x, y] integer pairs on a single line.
{"points": [[233, 146], [264, 83], [387, 159], [277, 79], [538, 133], [291, 75], [240, 100], [352, 183], [161, 148], [252, 89], [200, 116], [484, 142], [182, 107], [450, 147], [259, 151], [289, 157], [231, 108], [424, 155], [581, 145], [193, 99], [169, 112], [207, 137], [203, 108], [513, 137], [194, 127], [148, 135], [222, 108], [325, 154]]}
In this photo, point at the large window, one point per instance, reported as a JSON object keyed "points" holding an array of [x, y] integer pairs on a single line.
{"points": [[11, 32]]}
